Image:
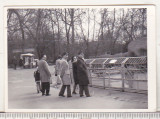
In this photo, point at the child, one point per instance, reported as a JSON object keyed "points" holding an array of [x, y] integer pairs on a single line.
{"points": [[37, 80]]}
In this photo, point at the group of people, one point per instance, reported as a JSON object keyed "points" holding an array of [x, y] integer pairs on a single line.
{"points": [[63, 74]]}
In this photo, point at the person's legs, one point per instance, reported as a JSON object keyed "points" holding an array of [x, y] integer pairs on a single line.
{"points": [[81, 90], [68, 91], [38, 86], [43, 88], [74, 89], [61, 93], [86, 91], [47, 88]]}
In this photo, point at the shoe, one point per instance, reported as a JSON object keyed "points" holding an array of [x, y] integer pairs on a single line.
{"points": [[43, 94], [88, 96], [62, 95], [69, 96], [48, 94], [81, 95], [74, 93]]}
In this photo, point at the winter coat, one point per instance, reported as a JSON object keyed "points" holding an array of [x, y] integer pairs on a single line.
{"points": [[65, 72], [44, 71], [58, 67], [74, 68], [82, 72]]}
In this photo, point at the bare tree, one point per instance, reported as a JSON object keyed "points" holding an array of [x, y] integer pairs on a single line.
{"points": [[58, 27], [21, 20], [48, 29]]}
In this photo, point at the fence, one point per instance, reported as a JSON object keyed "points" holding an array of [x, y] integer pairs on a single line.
{"points": [[122, 73]]}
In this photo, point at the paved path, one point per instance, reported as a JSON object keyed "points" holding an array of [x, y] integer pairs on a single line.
{"points": [[23, 95]]}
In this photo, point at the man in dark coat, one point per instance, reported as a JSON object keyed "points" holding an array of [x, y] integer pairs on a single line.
{"points": [[82, 74], [74, 69]]}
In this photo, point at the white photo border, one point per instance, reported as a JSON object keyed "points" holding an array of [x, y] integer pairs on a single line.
{"points": [[151, 54]]}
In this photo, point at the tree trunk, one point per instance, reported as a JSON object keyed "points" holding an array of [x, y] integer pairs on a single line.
{"points": [[59, 46], [21, 28], [88, 51], [54, 46], [72, 23], [67, 32]]}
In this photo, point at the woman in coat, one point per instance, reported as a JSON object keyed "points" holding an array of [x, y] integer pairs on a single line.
{"points": [[65, 76], [74, 69]]}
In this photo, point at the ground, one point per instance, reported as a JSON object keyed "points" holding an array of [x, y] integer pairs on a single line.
{"points": [[22, 94]]}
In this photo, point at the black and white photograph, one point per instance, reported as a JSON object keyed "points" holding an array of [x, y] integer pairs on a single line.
{"points": [[79, 57]]}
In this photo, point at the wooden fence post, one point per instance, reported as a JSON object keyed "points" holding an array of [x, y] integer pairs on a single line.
{"points": [[104, 75], [123, 76], [109, 82]]}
